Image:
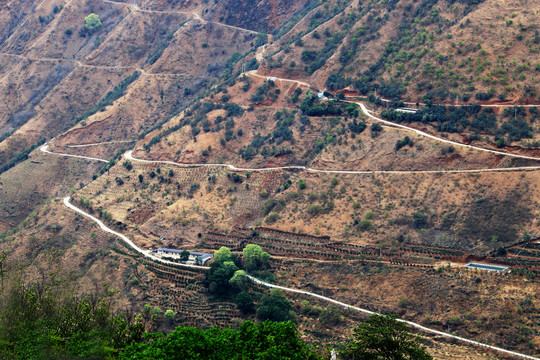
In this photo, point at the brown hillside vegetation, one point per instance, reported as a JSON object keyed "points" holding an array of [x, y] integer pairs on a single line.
{"points": [[213, 97]]}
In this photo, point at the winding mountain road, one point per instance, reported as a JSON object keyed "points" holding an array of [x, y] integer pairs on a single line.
{"points": [[78, 63], [45, 148], [129, 156], [393, 124], [296, 291], [254, 73], [419, 132], [126, 239], [463, 105]]}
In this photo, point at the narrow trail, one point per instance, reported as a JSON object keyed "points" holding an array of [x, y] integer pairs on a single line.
{"points": [[126, 239], [103, 67], [413, 324], [195, 15], [102, 143], [254, 73], [262, 283]]}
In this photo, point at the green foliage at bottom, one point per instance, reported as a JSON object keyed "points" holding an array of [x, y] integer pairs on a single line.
{"points": [[39, 323], [262, 341]]}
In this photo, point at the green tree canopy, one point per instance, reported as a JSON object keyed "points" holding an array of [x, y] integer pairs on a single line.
{"points": [[169, 315], [262, 341], [37, 323], [275, 307], [184, 255], [222, 255], [244, 302], [217, 278], [254, 257], [92, 22], [382, 337], [239, 280]]}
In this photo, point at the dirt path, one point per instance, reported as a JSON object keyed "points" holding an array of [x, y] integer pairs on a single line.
{"points": [[462, 105], [129, 156], [102, 143], [194, 14], [254, 73], [103, 67], [419, 132]]}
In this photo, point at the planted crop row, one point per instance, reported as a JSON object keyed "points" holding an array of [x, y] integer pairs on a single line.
{"points": [[524, 252]]}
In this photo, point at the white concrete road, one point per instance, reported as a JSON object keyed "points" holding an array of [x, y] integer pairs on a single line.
{"points": [[129, 156], [257, 281], [126, 239], [45, 148], [419, 132]]}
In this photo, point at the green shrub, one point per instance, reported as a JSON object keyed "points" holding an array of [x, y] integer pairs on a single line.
{"points": [[92, 23]]}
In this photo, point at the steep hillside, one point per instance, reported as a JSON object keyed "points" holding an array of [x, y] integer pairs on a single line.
{"points": [[373, 149]]}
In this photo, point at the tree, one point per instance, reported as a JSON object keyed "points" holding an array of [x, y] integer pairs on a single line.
{"points": [[244, 302], [419, 220], [239, 280], [254, 257], [45, 322], [92, 22], [156, 311], [275, 307], [222, 255], [382, 337], [184, 255], [169, 315], [262, 341], [330, 316], [127, 165], [217, 278]]}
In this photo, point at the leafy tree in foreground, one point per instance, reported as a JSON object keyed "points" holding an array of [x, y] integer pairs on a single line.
{"points": [[263, 341], [382, 337], [39, 323]]}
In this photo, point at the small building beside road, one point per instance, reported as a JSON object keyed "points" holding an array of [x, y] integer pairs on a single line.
{"points": [[194, 257]]}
